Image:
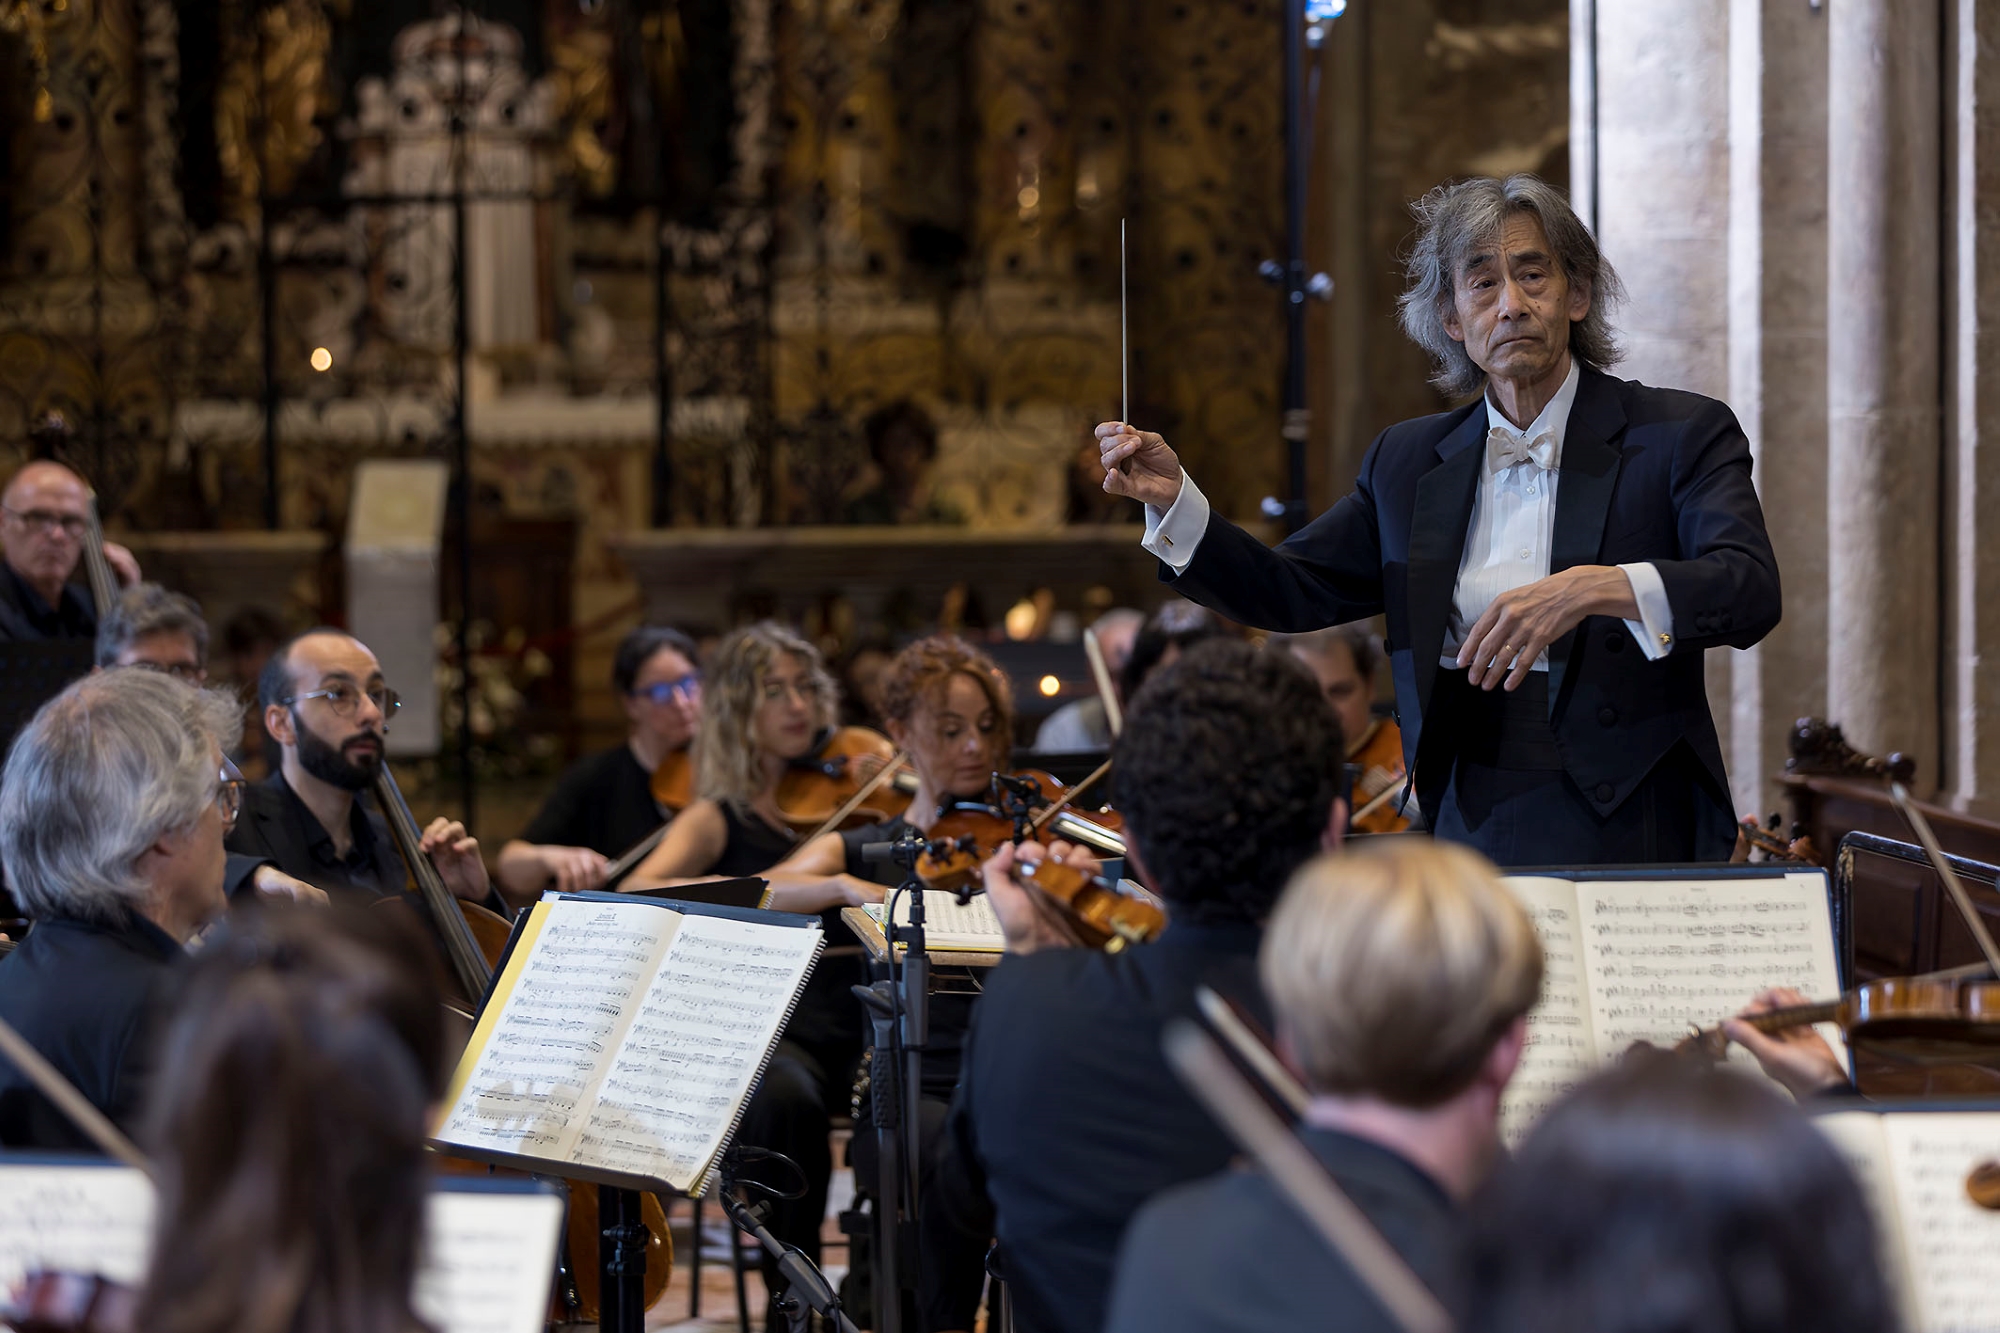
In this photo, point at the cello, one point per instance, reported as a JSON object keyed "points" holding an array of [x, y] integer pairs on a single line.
{"points": [[474, 939]]}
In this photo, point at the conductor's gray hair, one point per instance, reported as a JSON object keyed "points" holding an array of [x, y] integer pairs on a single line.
{"points": [[103, 770], [1452, 221]]}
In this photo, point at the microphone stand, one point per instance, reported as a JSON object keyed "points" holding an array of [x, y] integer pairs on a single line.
{"points": [[806, 1288]]}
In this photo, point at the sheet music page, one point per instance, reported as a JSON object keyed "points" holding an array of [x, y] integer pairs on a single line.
{"points": [[1859, 1138], [489, 1260], [75, 1219], [699, 1038], [971, 928], [558, 1027], [1950, 1244], [1561, 1051], [1666, 956]]}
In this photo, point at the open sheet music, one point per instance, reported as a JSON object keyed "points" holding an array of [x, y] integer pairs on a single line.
{"points": [[1649, 960], [625, 1036], [969, 929], [1941, 1250], [489, 1250]]}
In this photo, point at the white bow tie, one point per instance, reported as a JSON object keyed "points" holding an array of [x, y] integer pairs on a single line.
{"points": [[1506, 448]]}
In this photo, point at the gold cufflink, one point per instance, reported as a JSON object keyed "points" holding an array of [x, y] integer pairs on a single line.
{"points": [[1666, 639]]}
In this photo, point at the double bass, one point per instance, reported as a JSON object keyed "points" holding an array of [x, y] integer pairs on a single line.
{"points": [[474, 939]]}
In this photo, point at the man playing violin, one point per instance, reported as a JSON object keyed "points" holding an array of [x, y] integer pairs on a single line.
{"points": [[1553, 559], [327, 706], [605, 804], [1067, 1117], [113, 807], [1401, 972], [1344, 658]]}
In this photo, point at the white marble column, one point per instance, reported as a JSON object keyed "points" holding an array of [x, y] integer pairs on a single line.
{"points": [[1777, 359], [1971, 738], [1883, 406]]}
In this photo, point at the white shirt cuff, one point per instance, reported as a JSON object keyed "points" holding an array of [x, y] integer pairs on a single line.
{"points": [[1172, 536], [1654, 629]]}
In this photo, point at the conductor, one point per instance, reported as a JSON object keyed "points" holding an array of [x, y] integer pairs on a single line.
{"points": [[1553, 558]]}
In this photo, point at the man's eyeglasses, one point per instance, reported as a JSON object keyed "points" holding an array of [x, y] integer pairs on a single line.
{"points": [[42, 520], [345, 700], [666, 691], [229, 794]]}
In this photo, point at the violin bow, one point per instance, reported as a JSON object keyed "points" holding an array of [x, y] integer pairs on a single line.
{"points": [[1382, 798], [1042, 820], [96, 1126], [1251, 1048], [1942, 864], [1301, 1178], [1100, 672], [853, 803]]}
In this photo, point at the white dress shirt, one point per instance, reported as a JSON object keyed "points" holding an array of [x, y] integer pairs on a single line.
{"points": [[1507, 544]]}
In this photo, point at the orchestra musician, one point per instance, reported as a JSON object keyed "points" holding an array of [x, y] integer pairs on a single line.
{"points": [[1082, 726], [1067, 1117], [286, 1126], [44, 516], [1672, 1197], [113, 806], [1553, 559], [950, 708], [604, 804], [326, 704], [151, 627], [766, 700], [1344, 659], [1401, 973]]}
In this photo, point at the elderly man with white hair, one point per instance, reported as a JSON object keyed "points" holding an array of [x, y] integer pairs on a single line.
{"points": [[113, 806], [1553, 557]]}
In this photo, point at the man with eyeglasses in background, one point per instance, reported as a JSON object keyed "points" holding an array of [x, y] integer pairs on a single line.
{"points": [[152, 627], [326, 704], [44, 514], [603, 805]]}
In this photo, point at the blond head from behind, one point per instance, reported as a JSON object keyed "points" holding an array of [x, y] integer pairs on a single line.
{"points": [[1396, 966]]}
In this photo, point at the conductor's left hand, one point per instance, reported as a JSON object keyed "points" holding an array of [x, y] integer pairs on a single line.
{"points": [[457, 859], [1522, 622]]}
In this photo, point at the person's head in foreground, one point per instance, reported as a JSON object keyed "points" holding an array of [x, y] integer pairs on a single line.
{"points": [[1400, 973], [287, 1126], [1665, 1196]]}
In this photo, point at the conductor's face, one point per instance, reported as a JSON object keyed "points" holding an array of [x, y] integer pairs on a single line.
{"points": [[1512, 305]]}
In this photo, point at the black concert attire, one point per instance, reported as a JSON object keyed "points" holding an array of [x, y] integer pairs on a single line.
{"points": [[1067, 1117], [279, 827], [603, 802], [1231, 1254], [87, 996], [1610, 754], [26, 618]]}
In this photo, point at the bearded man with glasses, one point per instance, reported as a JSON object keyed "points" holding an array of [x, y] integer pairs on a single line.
{"points": [[44, 515], [325, 703]]}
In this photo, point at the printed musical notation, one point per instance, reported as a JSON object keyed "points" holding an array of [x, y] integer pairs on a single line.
{"points": [[488, 1260], [74, 1219], [1629, 960], [969, 929]]}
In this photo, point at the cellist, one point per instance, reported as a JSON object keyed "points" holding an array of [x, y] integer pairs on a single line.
{"points": [[604, 803]]}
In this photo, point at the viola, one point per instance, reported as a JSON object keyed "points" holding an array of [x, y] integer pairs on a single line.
{"points": [[474, 941], [823, 782]]}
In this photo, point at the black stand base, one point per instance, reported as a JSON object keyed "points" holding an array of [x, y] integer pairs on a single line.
{"points": [[621, 1253]]}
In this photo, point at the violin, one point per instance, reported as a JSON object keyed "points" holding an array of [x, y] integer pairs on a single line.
{"points": [[58, 1302], [1796, 850], [1101, 914], [967, 832], [1378, 791], [823, 782], [673, 781], [474, 941]]}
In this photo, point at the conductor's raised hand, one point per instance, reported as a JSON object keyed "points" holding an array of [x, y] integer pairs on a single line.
{"points": [[1138, 464]]}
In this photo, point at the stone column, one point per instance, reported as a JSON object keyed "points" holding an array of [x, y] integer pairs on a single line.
{"points": [[1661, 137], [1777, 363], [1883, 375], [1971, 738]]}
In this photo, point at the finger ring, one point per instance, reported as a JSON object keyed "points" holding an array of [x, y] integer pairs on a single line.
{"points": [[1506, 649]]}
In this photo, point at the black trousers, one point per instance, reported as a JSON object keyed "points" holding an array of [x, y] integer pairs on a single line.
{"points": [[952, 1273], [1510, 799]]}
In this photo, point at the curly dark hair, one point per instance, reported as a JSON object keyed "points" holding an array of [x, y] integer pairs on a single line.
{"points": [[1226, 772], [1670, 1198]]}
